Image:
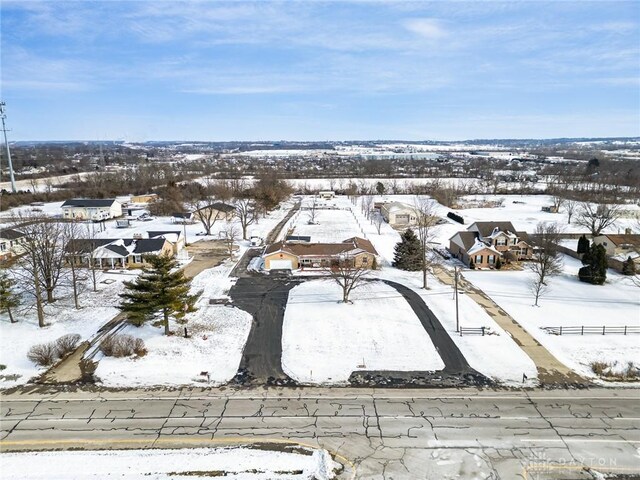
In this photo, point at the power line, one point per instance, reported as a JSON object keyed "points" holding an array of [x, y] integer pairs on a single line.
{"points": [[3, 115]]}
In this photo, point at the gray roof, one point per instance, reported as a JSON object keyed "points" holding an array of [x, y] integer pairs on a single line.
{"points": [[221, 207], [163, 232], [10, 234], [486, 228], [147, 245], [468, 239], [89, 202]]}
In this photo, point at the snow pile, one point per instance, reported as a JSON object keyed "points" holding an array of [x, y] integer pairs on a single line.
{"points": [[324, 341], [231, 462]]}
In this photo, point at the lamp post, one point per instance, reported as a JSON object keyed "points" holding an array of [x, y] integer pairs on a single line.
{"points": [[455, 274], [3, 115]]}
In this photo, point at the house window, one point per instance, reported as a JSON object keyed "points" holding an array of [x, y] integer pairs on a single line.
{"points": [[501, 242], [365, 260], [3, 247], [491, 259], [478, 259], [307, 261], [515, 241], [137, 259]]}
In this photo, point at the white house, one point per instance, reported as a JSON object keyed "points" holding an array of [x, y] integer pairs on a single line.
{"points": [[399, 214], [11, 243], [96, 209]]}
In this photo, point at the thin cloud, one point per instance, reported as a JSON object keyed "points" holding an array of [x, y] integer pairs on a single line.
{"points": [[429, 28]]}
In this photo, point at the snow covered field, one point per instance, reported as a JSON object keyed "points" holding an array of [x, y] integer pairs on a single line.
{"points": [[61, 318], [323, 341], [232, 463], [570, 302]]}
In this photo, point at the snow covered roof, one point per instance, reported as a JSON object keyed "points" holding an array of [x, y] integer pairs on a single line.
{"points": [[354, 245], [394, 207], [479, 246], [89, 202], [11, 234], [486, 229]]}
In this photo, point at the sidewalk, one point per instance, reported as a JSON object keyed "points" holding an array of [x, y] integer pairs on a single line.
{"points": [[550, 369]]}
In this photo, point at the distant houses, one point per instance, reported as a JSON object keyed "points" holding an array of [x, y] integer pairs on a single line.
{"points": [[399, 214], [294, 255], [91, 209], [483, 243]]}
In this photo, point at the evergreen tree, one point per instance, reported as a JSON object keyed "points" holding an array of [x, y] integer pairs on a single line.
{"points": [[498, 264], [595, 265], [160, 288], [408, 252], [628, 267], [8, 298], [583, 244]]}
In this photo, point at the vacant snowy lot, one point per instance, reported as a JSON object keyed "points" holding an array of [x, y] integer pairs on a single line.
{"points": [[570, 302], [324, 341], [216, 337], [61, 318], [232, 463]]}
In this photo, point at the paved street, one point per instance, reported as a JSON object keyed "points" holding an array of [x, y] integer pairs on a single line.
{"points": [[392, 434]]}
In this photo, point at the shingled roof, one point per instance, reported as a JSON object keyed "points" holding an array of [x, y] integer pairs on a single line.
{"points": [[350, 245], [89, 202]]}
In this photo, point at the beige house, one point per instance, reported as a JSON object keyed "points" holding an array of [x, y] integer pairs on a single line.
{"points": [[484, 242], [118, 253], [11, 243], [96, 209], [302, 255], [619, 244], [399, 214]]}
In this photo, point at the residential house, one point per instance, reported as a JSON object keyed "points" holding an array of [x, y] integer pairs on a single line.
{"points": [[399, 214], [327, 194], [297, 255], [182, 217], [485, 242], [174, 237], [620, 247], [96, 209], [117, 253], [217, 210], [11, 243], [146, 198]]}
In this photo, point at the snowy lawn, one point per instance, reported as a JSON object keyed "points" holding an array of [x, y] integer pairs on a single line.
{"points": [[217, 335], [570, 302], [496, 356], [324, 341], [232, 463], [61, 318]]}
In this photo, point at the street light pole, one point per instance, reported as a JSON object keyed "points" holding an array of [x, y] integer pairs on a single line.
{"points": [[3, 115], [455, 273]]}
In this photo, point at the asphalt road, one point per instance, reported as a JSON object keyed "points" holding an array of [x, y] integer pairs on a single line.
{"points": [[391, 434]]}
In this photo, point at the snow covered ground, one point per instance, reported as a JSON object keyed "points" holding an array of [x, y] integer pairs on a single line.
{"points": [[232, 463], [323, 341], [61, 318], [217, 335], [570, 302]]}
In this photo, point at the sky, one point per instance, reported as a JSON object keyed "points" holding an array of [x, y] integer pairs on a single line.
{"points": [[309, 70]]}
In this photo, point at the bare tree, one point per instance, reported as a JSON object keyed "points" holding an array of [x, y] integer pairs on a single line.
{"points": [[313, 210], [346, 274], [546, 261], [557, 201], [378, 220], [597, 217], [367, 205], [230, 234], [570, 206], [247, 214], [207, 214], [426, 224]]}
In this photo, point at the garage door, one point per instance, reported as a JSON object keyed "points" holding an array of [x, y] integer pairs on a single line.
{"points": [[280, 265], [402, 218]]}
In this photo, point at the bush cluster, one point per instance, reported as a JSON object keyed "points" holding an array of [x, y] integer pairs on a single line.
{"points": [[45, 354], [122, 346]]}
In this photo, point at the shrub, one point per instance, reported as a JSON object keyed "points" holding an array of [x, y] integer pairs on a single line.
{"points": [[43, 354], [122, 346], [67, 343], [498, 264], [599, 368]]}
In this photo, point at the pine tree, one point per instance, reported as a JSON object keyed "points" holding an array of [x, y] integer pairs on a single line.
{"points": [[8, 298], [408, 252], [158, 289], [498, 264], [595, 269], [583, 244], [628, 267]]}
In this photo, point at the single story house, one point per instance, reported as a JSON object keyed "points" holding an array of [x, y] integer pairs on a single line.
{"points": [[484, 242], [11, 243], [399, 214], [618, 244], [182, 217], [145, 198], [116, 253], [297, 255], [216, 210], [174, 237], [96, 209], [327, 194]]}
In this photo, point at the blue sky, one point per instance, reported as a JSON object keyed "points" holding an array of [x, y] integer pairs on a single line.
{"points": [[307, 70]]}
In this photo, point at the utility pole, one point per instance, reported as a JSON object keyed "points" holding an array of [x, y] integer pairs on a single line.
{"points": [[455, 273], [3, 115]]}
